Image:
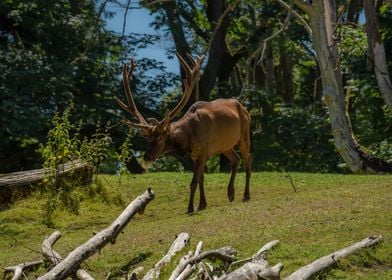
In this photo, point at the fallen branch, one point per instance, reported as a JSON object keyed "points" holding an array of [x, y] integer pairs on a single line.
{"points": [[307, 271], [31, 177], [71, 263], [54, 257], [18, 269], [179, 243], [225, 254], [258, 268]]}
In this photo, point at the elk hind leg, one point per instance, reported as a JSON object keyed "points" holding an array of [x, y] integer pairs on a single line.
{"points": [[234, 159], [244, 148], [202, 200]]}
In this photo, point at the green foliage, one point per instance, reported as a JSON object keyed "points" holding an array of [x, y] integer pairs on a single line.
{"points": [[94, 150], [293, 139], [63, 146], [60, 148], [50, 53]]}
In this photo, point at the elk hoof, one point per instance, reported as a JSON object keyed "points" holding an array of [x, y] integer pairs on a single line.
{"points": [[230, 193], [246, 198], [189, 212], [202, 206]]}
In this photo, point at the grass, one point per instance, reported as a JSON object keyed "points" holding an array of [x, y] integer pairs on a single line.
{"points": [[327, 213]]}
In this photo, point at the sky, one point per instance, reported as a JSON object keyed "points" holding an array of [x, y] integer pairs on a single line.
{"points": [[138, 21]]}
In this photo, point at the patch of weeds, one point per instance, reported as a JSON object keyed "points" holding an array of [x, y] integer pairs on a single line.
{"points": [[60, 189]]}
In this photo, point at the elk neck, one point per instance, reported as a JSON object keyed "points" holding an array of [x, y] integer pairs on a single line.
{"points": [[179, 142]]}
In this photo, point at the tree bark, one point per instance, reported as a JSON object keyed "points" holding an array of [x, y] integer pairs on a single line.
{"points": [[67, 266], [376, 53]]}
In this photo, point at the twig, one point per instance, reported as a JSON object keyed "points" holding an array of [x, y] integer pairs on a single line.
{"points": [[18, 269], [283, 28], [291, 181], [125, 17], [297, 15]]}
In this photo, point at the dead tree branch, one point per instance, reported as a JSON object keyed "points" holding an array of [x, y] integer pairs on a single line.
{"points": [[179, 243], [54, 257], [307, 271], [71, 263], [225, 254]]}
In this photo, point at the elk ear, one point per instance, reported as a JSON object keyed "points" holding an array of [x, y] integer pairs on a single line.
{"points": [[145, 132]]}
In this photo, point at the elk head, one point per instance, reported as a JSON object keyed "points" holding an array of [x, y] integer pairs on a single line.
{"points": [[157, 132]]}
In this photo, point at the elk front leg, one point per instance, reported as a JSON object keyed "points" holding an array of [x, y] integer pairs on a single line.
{"points": [[234, 159], [197, 179]]}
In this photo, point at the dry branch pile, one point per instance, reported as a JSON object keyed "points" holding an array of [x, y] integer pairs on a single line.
{"points": [[193, 265]]}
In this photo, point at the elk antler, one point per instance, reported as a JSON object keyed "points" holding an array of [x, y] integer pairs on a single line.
{"points": [[191, 75], [131, 107]]}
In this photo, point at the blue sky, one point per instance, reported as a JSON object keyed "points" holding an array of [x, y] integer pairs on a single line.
{"points": [[138, 21]]}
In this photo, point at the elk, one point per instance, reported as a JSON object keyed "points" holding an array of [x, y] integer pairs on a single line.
{"points": [[206, 129]]}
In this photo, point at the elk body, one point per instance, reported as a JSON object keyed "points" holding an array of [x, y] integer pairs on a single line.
{"points": [[207, 129]]}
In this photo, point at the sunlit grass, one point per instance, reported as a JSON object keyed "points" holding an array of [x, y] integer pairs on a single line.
{"points": [[327, 212]]}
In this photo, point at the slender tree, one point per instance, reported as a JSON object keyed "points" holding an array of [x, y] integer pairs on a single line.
{"points": [[323, 19], [376, 52]]}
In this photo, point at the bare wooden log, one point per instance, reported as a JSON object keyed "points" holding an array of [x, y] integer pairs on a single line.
{"points": [[179, 243], [225, 254], [50, 254], [71, 263], [18, 269], [31, 177], [307, 271], [256, 267]]}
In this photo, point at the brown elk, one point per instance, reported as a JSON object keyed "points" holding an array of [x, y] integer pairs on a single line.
{"points": [[207, 129]]}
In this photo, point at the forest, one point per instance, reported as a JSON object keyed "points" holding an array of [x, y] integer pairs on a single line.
{"points": [[319, 95]]}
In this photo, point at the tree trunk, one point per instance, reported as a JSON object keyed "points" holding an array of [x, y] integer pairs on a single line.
{"points": [[376, 53], [322, 17], [284, 85], [214, 10]]}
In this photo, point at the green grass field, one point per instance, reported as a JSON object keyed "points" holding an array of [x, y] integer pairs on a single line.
{"points": [[327, 213]]}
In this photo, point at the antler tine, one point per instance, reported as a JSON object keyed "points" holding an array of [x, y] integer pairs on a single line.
{"points": [[131, 107], [185, 65], [191, 75], [133, 66]]}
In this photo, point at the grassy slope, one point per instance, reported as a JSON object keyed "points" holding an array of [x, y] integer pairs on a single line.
{"points": [[329, 212]]}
